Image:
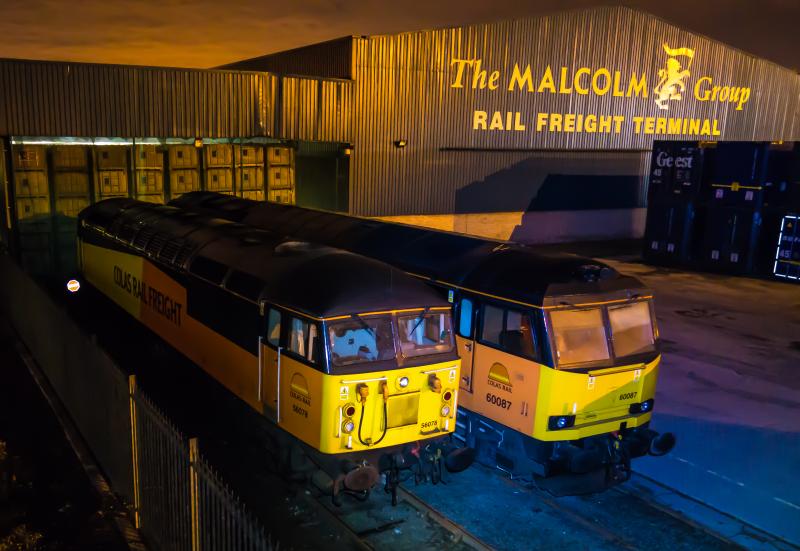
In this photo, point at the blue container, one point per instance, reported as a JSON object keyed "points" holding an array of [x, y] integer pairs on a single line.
{"points": [[729, 240], [668, 233], [738, 175]]}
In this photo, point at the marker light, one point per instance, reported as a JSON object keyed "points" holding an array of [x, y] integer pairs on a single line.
{"points": [[402, 382], [348, 426], [644, 407], [557, 422], [73, 285], [445, 410]]}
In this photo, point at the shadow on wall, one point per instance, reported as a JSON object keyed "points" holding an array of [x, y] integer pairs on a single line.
{"points": [[561, 183], [563, 198]]}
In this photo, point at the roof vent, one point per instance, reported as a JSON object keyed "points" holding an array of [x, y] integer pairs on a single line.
{"points": [[594, 272], [294, 247]]}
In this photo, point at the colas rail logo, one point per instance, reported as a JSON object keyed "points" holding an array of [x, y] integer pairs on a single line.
{"points": [[498, 377]]}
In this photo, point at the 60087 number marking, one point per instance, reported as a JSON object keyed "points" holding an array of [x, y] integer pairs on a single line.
{"points": [[498, 401]]}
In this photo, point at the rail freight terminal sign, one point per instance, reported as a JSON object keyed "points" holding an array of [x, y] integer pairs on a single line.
{"points": [[657, 93]]}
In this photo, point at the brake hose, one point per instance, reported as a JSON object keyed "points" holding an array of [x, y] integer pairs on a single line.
{"points": [[385, 424]]}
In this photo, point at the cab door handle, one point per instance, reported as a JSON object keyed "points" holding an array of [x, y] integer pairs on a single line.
{"points": [[468, 346]]}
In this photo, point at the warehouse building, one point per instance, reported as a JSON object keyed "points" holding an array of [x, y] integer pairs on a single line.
{"points": [[535, 129]]}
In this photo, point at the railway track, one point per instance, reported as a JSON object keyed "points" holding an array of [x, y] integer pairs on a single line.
{"points": [[477, 509], [619, 518], [410, 525]]}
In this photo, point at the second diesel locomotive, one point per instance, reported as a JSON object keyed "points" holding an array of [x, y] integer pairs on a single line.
{"points": [[560, 352], [345, 354]]}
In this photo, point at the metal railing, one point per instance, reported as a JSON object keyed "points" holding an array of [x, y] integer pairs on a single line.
{"points": [[180, 502]]}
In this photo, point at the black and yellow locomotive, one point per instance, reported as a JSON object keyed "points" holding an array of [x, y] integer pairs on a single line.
{"points": [[345, 354], [560, 353]]}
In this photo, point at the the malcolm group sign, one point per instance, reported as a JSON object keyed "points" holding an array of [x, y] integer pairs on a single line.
{"points": [[663, 100]]}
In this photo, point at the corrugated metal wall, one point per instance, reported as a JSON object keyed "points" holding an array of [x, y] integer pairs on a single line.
{"points": [[403, 91], [88, 100], [75, 99], [332, 59], [316, 109]]}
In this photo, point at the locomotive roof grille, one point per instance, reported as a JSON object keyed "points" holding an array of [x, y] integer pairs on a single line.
{"points": [[320, 281]]}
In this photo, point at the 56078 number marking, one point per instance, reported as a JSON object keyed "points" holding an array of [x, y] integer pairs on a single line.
{"points": [[498, 401]]}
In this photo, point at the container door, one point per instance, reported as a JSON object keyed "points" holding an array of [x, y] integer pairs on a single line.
{"points": [[465, 340]]}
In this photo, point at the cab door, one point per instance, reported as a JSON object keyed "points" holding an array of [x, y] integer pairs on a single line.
{"points": [[270, 358], [465, 341], [505, 371]]}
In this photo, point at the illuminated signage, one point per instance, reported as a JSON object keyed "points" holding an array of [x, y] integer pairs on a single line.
{"points": [[673, 83], [787, 256]]}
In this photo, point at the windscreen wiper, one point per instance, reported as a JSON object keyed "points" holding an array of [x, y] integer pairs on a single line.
{"points": [[421, 317], [364, 325]]}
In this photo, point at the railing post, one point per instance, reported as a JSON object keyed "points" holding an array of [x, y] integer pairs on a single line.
{"points": [[134, 451], [194, 494]]}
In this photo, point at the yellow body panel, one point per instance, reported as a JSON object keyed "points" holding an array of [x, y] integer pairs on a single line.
{"points": [[600, 401], [304, 401], [523, 394], [159, 302], [504, 388], [313, 406]]}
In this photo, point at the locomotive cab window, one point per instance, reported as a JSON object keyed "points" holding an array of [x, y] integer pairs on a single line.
{"points": [[512, 331], [303, 339], [274, 327], [631, 329], [580, 336], [361, 339], [425, 333], [465, 317], [492, 325]]}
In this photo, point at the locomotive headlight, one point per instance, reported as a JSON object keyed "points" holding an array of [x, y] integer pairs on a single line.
{"points": [[402, 382], [348, 426], [445, 410], [644, 407], [557, 422]]}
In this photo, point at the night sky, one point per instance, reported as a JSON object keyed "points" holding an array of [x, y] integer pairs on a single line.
{"points": [[207, 33]]}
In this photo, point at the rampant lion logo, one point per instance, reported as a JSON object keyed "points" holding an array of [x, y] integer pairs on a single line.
{"points": [[671, 84]]}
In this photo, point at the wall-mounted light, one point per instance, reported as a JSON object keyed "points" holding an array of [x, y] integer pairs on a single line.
{"points": [[399, 144], [198, 142], [347, 150]]}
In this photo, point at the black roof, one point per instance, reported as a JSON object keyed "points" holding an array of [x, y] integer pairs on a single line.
{"points": [[510, 271], [318, 280]]}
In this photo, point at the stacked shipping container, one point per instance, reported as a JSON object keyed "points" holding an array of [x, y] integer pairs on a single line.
{"points": [[55, 178], [719, 206]]}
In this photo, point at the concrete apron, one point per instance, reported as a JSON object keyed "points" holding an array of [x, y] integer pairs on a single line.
{"points": [[538, 227]]}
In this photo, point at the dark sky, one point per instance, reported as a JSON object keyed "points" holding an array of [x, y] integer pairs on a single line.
{"points": [[205, 33]]}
